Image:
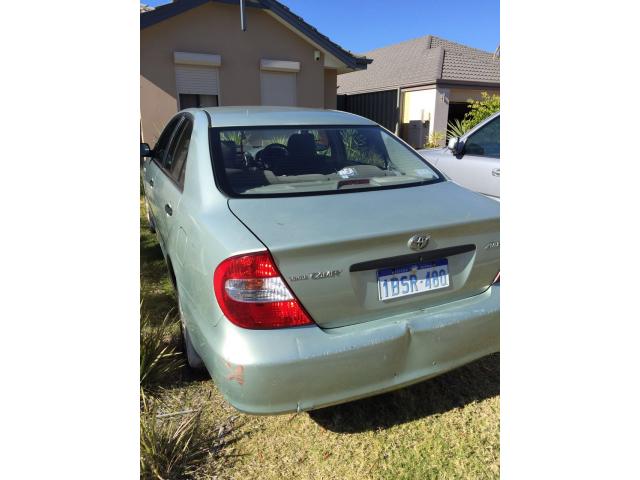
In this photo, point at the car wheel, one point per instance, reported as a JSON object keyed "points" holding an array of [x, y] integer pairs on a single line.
{"points": [[152, 225], [193, 359]]}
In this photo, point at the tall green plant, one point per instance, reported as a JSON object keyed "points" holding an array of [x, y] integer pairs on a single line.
{"points": [[455, 129], [354, 143], [358, 150], [481, 109], [280, 139], [235, 136]]}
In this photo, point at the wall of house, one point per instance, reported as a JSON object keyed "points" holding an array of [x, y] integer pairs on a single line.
{"points": [[418, 105], [432, 104], [441, 115], [330, 88], [464, 94], [214, 28]]}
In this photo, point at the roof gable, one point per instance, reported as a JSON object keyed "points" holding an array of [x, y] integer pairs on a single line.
{"points": [[277, 9]]}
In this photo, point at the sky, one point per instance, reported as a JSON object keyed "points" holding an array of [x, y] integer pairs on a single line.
{"points": [[364, 25]]}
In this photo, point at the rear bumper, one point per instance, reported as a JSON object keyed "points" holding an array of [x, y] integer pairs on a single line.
{"points": [[279, 371]]}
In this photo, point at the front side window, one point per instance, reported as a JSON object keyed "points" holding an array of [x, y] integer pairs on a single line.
{"points": [[160, 149], [306, 160], [486, 141], [176, 158]]}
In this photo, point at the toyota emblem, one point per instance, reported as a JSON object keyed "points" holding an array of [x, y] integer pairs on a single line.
{"points": [[418, 242]]}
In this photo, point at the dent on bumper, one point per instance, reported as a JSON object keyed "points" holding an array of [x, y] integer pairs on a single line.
{"points": [[267, 372]]}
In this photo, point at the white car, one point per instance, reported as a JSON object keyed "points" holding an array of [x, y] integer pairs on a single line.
{"points": [[472, 160]]}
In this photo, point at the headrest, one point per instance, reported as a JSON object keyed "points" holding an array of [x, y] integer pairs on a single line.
{"points": [[301, 144]]}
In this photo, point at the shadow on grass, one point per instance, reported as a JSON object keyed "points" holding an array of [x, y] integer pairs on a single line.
{"points": [[181, 378], [474, 382], [152, 265], [157, 304], [156, 292]]}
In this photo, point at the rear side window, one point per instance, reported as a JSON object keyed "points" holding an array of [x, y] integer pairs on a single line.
{"points": [[486, 141], [304, 160], [176, 159]]}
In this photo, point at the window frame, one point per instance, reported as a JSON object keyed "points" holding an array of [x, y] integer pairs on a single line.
{"points": [[182, 119], [198, 100], [177, 174], [170, 134], [223, 186]]}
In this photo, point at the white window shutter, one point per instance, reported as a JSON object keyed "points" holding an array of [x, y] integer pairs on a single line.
{"points": [[278, 88], [196, 79]]}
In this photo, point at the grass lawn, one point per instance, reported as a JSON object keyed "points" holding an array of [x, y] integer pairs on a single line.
{"points": [[445, 428]]}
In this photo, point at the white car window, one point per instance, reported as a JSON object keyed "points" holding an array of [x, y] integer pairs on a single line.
{"points": [[486, 141]]}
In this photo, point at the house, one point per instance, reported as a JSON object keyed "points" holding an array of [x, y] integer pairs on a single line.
{"points": [[416, 87], [194, 53]]}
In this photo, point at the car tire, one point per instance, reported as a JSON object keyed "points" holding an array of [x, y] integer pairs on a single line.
{"points": [[152, 225], [193, 359]]}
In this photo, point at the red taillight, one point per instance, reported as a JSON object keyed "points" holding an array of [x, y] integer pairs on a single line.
{"points": [[252, 293], [497, 279]]}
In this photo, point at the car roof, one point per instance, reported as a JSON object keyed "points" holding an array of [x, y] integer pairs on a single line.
{"points": [[276, 116]]}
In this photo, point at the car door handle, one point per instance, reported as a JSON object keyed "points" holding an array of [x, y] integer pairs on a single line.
{"points": [[168, 209], [495, 172], [151, 182]]}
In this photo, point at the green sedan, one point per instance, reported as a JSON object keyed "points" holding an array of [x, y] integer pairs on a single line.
{"points": [[317, 258]]}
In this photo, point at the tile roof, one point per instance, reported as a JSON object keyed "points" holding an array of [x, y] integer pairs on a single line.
{"points": [[419, 61]]}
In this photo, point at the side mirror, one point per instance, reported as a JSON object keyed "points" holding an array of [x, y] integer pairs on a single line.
{"points": [[145, 150], [454, 145]]}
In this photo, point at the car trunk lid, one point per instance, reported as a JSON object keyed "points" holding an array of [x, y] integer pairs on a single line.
{"points": [[330, 247]]}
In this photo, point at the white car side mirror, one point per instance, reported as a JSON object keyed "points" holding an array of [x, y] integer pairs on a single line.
{"points": [[454, 145]]}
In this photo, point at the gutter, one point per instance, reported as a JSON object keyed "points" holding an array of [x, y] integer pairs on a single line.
{"points": [[432, 83]]}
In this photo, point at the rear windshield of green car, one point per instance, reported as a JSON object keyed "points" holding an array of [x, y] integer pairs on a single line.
{"points": [[277, 161]]}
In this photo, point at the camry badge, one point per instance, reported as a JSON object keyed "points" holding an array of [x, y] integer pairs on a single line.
{"points": [[316, 275], [418, 242]]}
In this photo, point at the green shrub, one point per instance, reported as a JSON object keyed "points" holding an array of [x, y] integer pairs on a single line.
{"points": [[481, 109], [456, 129], [434, 140]]}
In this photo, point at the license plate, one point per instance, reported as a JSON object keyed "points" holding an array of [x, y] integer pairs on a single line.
{"points": [[412, 279]]}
